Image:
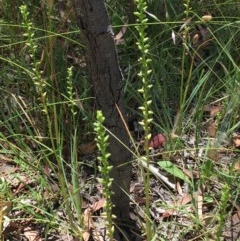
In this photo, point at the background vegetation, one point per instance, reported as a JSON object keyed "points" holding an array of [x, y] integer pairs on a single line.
{"points": [[47, 111]]}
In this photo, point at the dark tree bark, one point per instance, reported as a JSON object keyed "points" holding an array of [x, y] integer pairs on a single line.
{"points": [[93, 21]]}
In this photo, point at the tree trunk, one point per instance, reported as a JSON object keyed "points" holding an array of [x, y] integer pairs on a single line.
{"points": [[93, 21]]}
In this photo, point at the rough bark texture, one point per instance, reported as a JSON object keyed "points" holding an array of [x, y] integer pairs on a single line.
{"points": [[92, 19]]}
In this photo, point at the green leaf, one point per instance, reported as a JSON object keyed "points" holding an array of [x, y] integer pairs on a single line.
{"points": [[174, 170]]}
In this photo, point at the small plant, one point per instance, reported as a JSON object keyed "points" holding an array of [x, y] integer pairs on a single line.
{"points": [[186, 69], [53, 116], [105, 168], [3, 190], [225, 197], [194, 60], [36, 76], [76, 199], [144, 73]]}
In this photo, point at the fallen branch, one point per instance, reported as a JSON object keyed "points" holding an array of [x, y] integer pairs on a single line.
{"points": [[156, 173]]}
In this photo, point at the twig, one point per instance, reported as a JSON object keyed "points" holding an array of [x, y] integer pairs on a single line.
{"points": [[156, 173]]}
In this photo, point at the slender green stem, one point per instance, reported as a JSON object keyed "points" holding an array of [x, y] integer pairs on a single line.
{"points": [[144, 73], [105, 168]]}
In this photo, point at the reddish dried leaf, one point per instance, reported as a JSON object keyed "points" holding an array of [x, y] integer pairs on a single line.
{"points": [[168, 213], [212, 129], [157, 141], [215, 110], [185, 199], [212, 109]]}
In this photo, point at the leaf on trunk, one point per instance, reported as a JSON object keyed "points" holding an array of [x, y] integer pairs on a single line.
{"points": [[121, 33]]}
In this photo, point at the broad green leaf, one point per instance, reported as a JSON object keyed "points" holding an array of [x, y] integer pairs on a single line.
{"points": [[173, 170]]}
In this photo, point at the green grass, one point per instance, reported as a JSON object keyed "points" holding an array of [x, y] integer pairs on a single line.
{"points": [[45, 88]]}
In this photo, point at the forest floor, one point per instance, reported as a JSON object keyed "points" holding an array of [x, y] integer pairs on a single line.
{"points": [[187, 190]]}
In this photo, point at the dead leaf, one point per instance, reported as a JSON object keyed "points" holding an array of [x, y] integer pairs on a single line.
{"points": [[86, 236], [185, 199], [5, 207], [169, 213], [119, 36], [157, 141], [191, 174], [87, 219], [207, 18], [212, 129], [232, 229], [7, 170], [98, 205], [173, 135], [214, 110], [31, 235], [236, 142], [236, 166], [121, 33], [199, 202], [196, 38], [139, 200], [176, 212], [87, 148], [179, 188]]}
